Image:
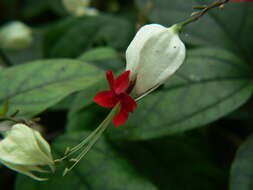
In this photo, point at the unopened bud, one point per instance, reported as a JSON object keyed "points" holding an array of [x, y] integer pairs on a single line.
{"points": [[15, 35], [24, 150], [155, 53]]}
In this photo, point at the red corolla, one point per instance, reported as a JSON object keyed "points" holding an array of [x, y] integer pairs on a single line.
{"points": [[118, 93]]}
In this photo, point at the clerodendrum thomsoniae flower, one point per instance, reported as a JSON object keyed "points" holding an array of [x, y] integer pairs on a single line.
{"points": [[24, 150], [155, 54]]}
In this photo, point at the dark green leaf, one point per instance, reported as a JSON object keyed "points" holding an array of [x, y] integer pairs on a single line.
{"points": [[85, 97], [105, 58], [101, 169], [73, 36], [209, 85], [216, 28], [87, 118], [34, 8], [31, 53], [182, 162], [33, 87], [241, 177], [100, 53]]}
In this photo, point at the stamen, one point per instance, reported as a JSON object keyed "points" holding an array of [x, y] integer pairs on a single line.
{"points": [[88, 142]]}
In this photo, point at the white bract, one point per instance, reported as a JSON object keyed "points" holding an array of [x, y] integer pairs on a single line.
{"points": [[15, 35], [155, 53], [24, 150]]}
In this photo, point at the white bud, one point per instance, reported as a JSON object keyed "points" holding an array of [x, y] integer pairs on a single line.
{"points": [[24, 150], [155, 53], [15, 35]]}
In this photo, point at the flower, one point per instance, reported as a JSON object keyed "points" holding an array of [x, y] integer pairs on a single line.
{"points": [[155, 53], [15, 35], [118, 94], [24, 150]]}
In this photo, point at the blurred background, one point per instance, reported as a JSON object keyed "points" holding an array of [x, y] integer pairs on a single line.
{"points": [[192, 133]]}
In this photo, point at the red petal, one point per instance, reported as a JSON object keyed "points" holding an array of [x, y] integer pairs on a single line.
{"points": [[110, 78], [106, 99], [127, 102], [122, 83], [120, 118]]}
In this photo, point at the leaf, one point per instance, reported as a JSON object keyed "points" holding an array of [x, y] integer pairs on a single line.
{"points": [[31, 53], [102, 168], [31, 88], [4, 109], [210, 84], [216, 28], [100, 53], [86, 118], [85, 97], [180, 162], [33, 9], [241, 175], [105, 58], [72, 36]]}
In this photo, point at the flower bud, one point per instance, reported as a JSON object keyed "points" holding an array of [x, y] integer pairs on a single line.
{"points": [[15, 35], [24, 150], [155, 53]]}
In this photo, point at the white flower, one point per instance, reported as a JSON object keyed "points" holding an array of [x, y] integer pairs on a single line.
{"points": [[155, 53], [15, 35], [24, 150]]}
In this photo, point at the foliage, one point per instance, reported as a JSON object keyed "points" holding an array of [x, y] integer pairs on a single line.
{"points": [[194, 132]]}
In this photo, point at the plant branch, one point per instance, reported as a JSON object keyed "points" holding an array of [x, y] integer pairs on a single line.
{"points": [[203, 10]]}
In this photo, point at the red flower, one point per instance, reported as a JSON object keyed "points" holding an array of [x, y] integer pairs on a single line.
{"points": [[117, 94]]}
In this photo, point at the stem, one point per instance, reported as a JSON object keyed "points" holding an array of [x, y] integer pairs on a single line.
{"points": [[10, 119], [5, 59], [196, 16]]}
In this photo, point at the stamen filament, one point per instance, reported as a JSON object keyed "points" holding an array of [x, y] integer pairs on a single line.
{"points": [[89, 141]]}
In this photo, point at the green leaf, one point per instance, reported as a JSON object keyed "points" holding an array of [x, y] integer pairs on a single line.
{"points": [[103, 57], [210, 84], [31, 53], [180, 162], [4, 109], [33, 9], [100, 53], [87, 118], [241, 175], [31, 88], [73, 36], [216, 28], [102, 168], [85, 97]]}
